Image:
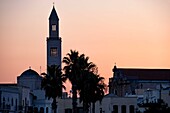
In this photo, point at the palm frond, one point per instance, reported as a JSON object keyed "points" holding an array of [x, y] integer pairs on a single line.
{"points": [[52, 82]]}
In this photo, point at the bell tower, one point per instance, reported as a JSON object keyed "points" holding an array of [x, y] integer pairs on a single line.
{"points": [[53, 41]]}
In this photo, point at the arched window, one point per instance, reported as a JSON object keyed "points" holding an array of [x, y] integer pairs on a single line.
{"points": [[131, 109], [46, 109], [115, 109], [41, 110], [123, 109], [35, 110]]}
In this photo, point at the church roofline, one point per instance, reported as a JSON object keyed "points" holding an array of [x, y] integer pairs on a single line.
{"points": [[145, 74]]}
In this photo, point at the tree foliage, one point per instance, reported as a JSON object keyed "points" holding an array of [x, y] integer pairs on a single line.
{"points": [[92, 90], [52, 83], [84, 79]]}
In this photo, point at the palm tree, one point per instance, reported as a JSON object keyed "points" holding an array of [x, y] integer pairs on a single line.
{"points": [[52, 83], [75, 66], [88, 68], [92, 90], [85, 91], [98, 90], [84, 79], [72, 72]]}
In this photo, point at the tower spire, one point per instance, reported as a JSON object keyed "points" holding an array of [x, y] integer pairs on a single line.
{"points": [[53, 24], [53, 15], [53, 4]]}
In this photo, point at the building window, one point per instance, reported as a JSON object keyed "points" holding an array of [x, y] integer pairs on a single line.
{"points": [[131, 109], [16, 104], [35, 110], [46, 109], [54, 27], [3, 103], [123, 109], [3, 99], [53, 51], [12, 102], [68, 110], [41, 110], [115, 109], [23, 103], [115, 92]]}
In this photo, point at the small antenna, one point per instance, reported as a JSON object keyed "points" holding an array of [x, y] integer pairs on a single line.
{"points": [[53, 4], [40, 69]]}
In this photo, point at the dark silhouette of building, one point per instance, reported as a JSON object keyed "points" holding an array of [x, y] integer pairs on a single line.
{"points": [[126, 80]]}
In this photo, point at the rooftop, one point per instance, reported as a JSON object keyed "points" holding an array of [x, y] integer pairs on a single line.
{"points": [[145, 74]]}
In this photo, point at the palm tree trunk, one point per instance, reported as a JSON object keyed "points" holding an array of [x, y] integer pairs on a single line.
{"points": [[74, 87], [93, 107], [54, 105]]}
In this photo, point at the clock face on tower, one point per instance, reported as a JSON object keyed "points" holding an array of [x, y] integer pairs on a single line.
{"points": [[54, 27]]}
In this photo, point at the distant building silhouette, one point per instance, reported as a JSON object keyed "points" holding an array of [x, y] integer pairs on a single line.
{"points": [[127, 80]]}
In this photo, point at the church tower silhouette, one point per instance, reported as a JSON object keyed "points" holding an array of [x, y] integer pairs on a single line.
{"points": [[53, 41]]}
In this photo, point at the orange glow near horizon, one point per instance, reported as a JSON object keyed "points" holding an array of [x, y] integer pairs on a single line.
{"points": [[129, 33]]}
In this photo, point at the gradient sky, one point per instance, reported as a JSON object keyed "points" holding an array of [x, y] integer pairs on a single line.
{"points": [[132, 33]]}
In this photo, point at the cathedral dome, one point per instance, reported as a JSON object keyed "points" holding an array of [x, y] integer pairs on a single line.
{"points": [[30, 79], [29, 73]]}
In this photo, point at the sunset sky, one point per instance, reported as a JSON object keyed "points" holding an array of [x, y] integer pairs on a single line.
{"points": [[130, 33]]}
